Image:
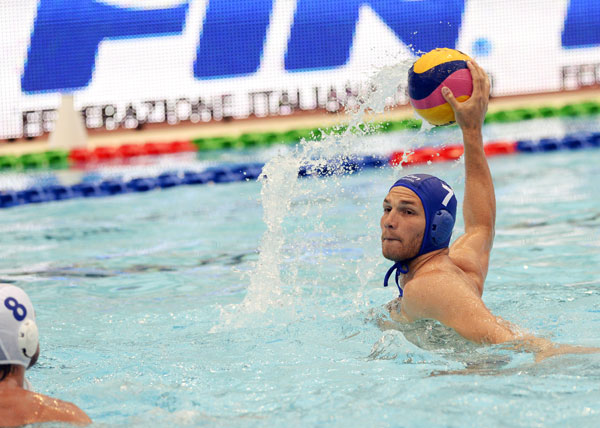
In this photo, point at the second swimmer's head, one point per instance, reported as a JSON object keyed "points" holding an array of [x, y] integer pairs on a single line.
{"points": [[19, 344]]}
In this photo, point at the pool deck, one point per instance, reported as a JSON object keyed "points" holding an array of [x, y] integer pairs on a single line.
{"points": [[166, 133]]}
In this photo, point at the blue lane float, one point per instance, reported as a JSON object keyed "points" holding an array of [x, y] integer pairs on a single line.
{"points": [[9, 199], [113, 187], [58, 192], [568, 142], [142, 184], [33, 195], [249, 172]]}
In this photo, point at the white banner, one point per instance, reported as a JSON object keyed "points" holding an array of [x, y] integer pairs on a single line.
{"points": [[129, 62]]}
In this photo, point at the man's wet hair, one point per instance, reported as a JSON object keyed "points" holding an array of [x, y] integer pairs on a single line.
{"points": [[5, 370]]}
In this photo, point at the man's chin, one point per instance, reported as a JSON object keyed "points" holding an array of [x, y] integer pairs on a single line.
{"points": [[395, 256], [392, 256]]}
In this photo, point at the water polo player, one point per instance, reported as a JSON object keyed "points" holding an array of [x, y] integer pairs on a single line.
{"points": [[441, 281], [19, 350]]}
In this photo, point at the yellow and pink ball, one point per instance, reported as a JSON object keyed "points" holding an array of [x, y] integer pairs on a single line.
{"points": [[429, 74]]}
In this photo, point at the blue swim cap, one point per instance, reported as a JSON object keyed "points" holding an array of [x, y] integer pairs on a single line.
{"points": [[439, 204]]}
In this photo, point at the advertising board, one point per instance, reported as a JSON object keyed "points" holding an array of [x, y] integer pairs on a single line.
{"points": [[131, 62]]}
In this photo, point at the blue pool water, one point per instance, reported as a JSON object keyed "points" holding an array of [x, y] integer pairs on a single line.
{"points": [[194, 307]]}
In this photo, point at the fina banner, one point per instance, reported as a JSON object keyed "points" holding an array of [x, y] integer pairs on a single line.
{"points": [[130, 62]]}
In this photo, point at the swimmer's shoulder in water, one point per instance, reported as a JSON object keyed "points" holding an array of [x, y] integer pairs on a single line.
{"points": [[21, 407], [19, 350]]}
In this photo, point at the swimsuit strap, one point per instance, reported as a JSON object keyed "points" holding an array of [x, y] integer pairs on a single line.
{"points": [[399, 267]]}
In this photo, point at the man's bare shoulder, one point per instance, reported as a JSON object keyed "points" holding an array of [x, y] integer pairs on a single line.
{"points": [[435, 291], [433, 282], [438, 275], [20, 407]]}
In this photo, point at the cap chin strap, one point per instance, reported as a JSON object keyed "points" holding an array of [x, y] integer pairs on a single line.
{"points": [[399, 267]]}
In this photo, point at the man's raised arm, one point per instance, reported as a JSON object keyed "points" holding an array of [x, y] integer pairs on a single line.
{"points": [[471, 251]]}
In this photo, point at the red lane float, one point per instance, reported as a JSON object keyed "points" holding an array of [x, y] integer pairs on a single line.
{"points": [[500, 148], [79, 156], [396, 158], [424, 155], [105, 154], [182, 146], [127, 151], [448, 153], [411, 157], [154, 149], [417, 156], [453, 152], [131, 150]]}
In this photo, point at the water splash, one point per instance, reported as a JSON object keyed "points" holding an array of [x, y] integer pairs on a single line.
{"points": [[279, 183], [269, 286]]}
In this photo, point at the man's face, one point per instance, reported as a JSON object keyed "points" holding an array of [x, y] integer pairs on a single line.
{"points": [[402, 224]]}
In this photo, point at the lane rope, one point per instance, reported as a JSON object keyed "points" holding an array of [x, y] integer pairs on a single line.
{"points": [[231, 173]]}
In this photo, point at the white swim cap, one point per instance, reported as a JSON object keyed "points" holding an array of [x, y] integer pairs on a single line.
{"points": [[18, 330]]}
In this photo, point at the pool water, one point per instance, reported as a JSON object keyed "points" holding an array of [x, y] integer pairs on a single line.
{"points": [[195, 307]]}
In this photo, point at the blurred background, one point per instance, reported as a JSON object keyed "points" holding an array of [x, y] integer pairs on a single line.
{"points": [[170, 70]]}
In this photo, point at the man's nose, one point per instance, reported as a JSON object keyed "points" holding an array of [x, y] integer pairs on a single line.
{"points": [[390, 221]]}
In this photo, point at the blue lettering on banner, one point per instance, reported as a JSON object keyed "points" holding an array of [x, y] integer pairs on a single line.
{"points": [[233, 38], [323, 29], [67, 34], [582, 26]]}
